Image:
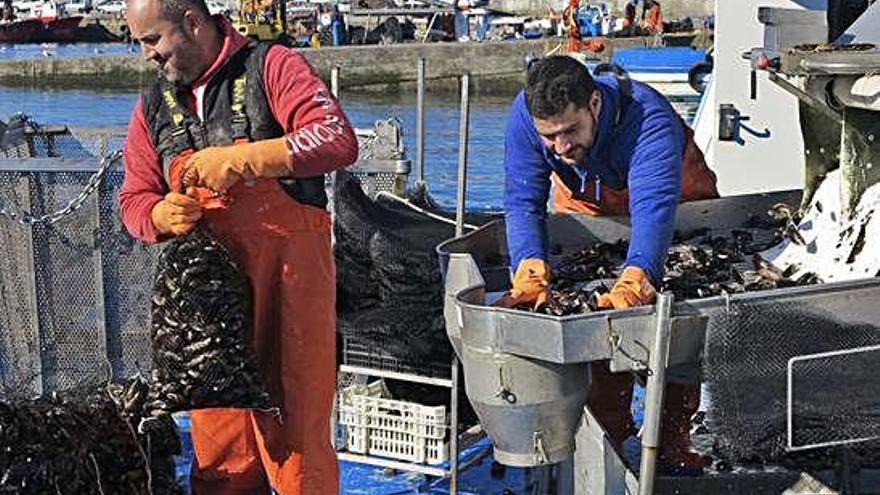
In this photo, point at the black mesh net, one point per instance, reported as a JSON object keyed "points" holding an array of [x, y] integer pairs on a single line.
{"points": [[747, 352], [389, 286], [201, 315], [84, 441]]}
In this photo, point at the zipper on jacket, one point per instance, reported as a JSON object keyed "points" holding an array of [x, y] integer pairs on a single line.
{"points": [[584, 176]]}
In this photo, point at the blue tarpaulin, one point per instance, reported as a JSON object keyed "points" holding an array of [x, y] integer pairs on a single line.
{"points": [[478, 478], [658, 60]]}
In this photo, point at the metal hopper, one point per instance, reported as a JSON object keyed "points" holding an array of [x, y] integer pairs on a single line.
{"points": [[526, 373]]}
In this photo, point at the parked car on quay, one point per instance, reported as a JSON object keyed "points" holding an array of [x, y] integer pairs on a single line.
{"points": [[113, 7]]}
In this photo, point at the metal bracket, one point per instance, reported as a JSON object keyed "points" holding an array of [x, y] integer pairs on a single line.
{"points": [[540, 453], [807, 98]]}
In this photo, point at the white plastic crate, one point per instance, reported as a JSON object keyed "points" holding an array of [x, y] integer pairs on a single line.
{"points": [[377, 425]]}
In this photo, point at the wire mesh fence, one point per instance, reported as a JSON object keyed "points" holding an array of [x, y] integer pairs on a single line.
{"points": [[829, 403], [75, 283]]}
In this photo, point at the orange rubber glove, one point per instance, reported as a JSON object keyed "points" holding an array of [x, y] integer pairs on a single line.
{"points": [[631, 289], [529, 285], [176, 213], [219, 167]]}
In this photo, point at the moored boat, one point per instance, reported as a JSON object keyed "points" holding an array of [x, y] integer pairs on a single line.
{"points": [[19, 31]]}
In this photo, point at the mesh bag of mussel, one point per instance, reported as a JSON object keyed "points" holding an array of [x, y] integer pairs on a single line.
{"points": [[84, 441], [389, 286], [201, 331]]}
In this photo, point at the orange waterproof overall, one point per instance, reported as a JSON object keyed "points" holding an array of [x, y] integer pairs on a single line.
{"points": [[611, 393], [284, 249]]}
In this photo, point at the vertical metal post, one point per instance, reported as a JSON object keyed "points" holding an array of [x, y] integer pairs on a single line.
{"points": [[420, 119], [462, 154], [459, 231], [654, 394], [334, 81], [453, 429]]}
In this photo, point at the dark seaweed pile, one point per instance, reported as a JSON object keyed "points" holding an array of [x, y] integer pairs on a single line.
{"points": [[698, 265], [201, 331], [85, 442]]}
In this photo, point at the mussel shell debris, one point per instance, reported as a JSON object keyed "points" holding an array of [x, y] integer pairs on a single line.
{"points": [[84, 441]]}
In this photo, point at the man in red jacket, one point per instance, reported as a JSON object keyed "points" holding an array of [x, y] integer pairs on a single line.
{"points": [[250, 123]]}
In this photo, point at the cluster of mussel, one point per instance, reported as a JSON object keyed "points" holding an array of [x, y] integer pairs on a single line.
{"points": [[85, 442], [698, 265], [201, 331]]}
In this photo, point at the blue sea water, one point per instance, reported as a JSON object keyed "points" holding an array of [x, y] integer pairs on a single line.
{"points": [[21, 51], [485, 151], [488, 114]]}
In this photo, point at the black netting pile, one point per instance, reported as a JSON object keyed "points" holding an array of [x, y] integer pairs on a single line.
{"points": [[745, 368], [389, 286], [85, 442], [201, 330]]}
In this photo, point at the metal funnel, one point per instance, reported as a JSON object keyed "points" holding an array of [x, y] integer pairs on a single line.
{"points": [[529, 408]]}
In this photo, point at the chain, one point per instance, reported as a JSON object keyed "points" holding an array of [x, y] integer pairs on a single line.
{"points": [[29, 220]]}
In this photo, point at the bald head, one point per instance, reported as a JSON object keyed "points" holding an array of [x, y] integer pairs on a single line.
{"points": [[174, 10], [178, 36]]}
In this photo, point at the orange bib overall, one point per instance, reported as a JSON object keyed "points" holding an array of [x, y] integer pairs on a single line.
{"points": [[284, 249]]}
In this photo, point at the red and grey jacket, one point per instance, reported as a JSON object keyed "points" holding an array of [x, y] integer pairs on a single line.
{"points": [[251, 92]]}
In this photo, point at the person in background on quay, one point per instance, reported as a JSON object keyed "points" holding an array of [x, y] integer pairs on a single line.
{"points": [[608, 146], [337, 26], [652, 17], [629, 17], [8, 13], [253, 123], [462, 24]]}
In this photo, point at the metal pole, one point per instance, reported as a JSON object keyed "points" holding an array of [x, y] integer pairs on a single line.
{"points": [[334, 81], [654, 394], [420, 119], [459, 231], [462, 154], [453, 429]]}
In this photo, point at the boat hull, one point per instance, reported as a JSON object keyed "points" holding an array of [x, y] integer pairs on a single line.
{"points": [[19, 31]]}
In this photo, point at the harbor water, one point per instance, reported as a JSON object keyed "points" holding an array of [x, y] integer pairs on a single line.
{"points": [[488, 113]]}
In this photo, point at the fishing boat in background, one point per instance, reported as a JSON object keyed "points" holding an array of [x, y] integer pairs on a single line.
{"points": [[49, 23], [673, 70], [19, 31]]}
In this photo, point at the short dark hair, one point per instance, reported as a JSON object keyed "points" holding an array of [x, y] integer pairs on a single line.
{"points": [[554, 82], [173, 10]]}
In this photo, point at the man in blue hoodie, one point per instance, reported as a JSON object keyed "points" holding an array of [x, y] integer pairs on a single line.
{"points": [[608, 146]]}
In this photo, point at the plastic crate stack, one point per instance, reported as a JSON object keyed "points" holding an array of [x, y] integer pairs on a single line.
{"points": [[375, 424]]}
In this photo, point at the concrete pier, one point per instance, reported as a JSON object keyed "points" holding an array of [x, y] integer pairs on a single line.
{"points": [[492, 65]]}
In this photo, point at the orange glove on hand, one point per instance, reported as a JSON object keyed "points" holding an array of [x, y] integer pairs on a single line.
{"points": [[176, 214], [632, 289], [219, 167], [529, 285]]}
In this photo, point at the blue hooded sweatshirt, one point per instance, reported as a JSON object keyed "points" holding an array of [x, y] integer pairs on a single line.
{"points": [[641, 153]]}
